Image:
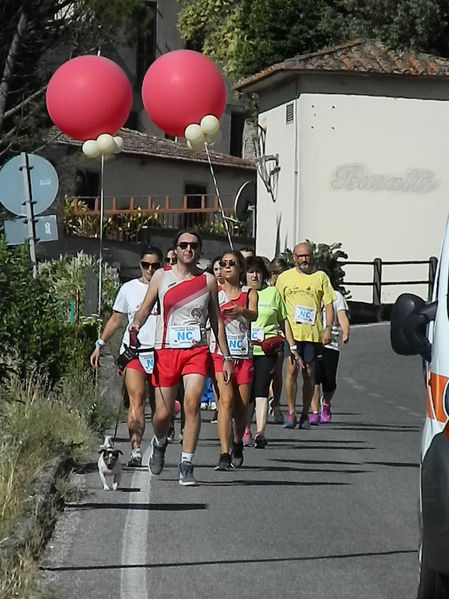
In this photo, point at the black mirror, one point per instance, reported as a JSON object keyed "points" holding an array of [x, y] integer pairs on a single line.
{"points": [[409, 319]]}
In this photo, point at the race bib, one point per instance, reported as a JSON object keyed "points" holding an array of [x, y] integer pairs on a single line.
{"points": [[185, 336], [304, 315], [257, 334], [238, 345], [146, 358]]}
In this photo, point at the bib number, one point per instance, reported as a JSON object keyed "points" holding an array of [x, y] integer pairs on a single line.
{"points": [[146, 359], [238, 345], [257, 334], [304, 315], [185, 336]]}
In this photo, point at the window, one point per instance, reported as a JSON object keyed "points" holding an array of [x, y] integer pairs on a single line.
{"points": [[194, 192], [146, 42], [237, 124], [289, 113], [87, 186]]}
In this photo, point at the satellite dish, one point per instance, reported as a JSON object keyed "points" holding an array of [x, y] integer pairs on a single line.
{"points": [[44, 184], [245, 201]]}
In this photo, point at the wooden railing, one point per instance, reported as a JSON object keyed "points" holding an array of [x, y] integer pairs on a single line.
{"points": [[126, 222]]}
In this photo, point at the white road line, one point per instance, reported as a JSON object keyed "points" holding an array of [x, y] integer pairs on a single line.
{"points": [[133, 580], [371, 324]]}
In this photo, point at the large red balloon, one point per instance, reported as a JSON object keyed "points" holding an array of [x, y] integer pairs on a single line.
{"points": [[181, 87], [87, 96]]}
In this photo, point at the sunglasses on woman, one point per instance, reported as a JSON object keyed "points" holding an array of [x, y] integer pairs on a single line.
{"points": [[173, 260], [224, 263], [147, 265], [194, 245]]}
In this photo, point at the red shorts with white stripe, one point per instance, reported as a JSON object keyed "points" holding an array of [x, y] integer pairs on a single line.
{"points": [[243, 369], [171, 364]]}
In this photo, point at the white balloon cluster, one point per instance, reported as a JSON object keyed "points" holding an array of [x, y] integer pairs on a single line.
{"points": [[105, 144], [207, 131]]}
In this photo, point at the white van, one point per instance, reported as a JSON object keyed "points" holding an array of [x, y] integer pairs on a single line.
{"points": [[420, 328]]}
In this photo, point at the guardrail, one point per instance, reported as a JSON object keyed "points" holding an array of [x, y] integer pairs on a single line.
{"points": [[377, 281]]}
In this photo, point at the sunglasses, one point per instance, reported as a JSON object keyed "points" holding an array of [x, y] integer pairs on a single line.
{"points": [[194, 245], [171, 260], [147, 265], [224, 263]]}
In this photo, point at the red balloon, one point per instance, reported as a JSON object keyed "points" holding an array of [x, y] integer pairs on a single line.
{"points": [[181, 87], [87, 96]]}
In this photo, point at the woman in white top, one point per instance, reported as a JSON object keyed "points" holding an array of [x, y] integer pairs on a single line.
{"points": [[137, 371]]}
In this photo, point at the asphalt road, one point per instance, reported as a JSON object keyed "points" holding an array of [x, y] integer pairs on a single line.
{"points": [[327, 513]]}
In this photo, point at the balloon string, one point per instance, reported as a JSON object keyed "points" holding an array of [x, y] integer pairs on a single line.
{"points": [[100, 258], [217, 191]]}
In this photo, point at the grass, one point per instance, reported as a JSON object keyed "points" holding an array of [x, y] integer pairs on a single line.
{"points": [[36, 424]]}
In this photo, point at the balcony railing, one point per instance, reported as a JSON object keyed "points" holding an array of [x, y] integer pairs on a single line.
{"points": [[125, 223]]}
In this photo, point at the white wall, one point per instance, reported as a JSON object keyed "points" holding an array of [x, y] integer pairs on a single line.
{"points": [[373, 174]]}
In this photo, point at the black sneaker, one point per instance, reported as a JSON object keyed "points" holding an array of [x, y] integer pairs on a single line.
{"points": [[260, 441], [186, 477], [225, 462], [136, 458], [237, 454], [215, 417], [171, 436], [157, 458]]}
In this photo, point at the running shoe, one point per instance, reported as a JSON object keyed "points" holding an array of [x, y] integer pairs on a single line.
{"points": [[325, 414], [225, 462], [247, 438], [215, 417], [136, 458], [278, 415], [157, 458], [260, 441], [270, 406], [171, 435], [204, 405], [304, 423], [237, 454], [314, 418], [290, 420], [213, 405], [186, 477]]}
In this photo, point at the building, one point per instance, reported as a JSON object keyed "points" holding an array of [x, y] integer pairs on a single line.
{"points": [[354, 148]]}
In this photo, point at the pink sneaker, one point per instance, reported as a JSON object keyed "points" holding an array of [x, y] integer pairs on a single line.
{"points": [[325, 414], [314, 418], [247, 438], [177, 407]]}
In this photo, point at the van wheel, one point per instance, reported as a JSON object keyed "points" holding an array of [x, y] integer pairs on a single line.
{"points": [[432, 584]]}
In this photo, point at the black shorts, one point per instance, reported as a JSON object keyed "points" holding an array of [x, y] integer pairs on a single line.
{"points": [[309, 351], [326, 370], [264, 367]]}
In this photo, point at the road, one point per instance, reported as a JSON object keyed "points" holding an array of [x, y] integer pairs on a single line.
{"points": [[327, 513]]}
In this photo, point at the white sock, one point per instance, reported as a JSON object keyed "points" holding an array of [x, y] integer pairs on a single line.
{"points": [[186, 456], [160, 441]]}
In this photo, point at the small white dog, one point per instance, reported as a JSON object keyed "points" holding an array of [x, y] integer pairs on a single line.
{"points": [[109, 464]]}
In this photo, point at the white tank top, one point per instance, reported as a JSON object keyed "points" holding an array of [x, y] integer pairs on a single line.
{"points": [[237, 328], [183, 305]]}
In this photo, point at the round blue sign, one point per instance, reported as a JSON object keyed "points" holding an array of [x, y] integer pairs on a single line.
{"points": [[44, 184]]}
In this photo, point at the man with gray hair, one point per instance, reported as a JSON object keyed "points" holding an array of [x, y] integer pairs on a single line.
{"points": [[305, 290]]}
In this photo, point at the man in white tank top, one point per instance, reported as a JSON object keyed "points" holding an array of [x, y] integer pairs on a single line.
{"points": [[187, 298]]}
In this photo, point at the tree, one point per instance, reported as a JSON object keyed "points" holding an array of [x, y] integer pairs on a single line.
{"points": [[39, 35], [246, 36]]}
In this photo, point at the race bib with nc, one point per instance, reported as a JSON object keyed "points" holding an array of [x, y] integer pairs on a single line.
{"points": [[147, 361], [238, 345], [257, 334], [304, 314], [185, 336]]}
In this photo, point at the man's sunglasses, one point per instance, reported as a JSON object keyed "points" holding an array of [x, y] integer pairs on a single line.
{"points": [[171, 260], [153, 265], [194, 245], [224, 263]]}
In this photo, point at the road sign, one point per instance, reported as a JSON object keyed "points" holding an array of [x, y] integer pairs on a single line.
{"points": [[16, 230], [44, 184]]}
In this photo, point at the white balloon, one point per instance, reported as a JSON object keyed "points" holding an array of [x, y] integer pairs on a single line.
{"points": [[118, 144], [215, 137], [91, 149], [106, 143], [195, 146], [210, 125], [194, 134]]}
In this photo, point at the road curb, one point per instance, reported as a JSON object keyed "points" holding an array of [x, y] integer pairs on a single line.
{"points": [[34, 527]]}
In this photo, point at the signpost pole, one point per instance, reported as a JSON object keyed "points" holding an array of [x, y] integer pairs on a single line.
{"points": [[100, 258], [25, 168]]}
